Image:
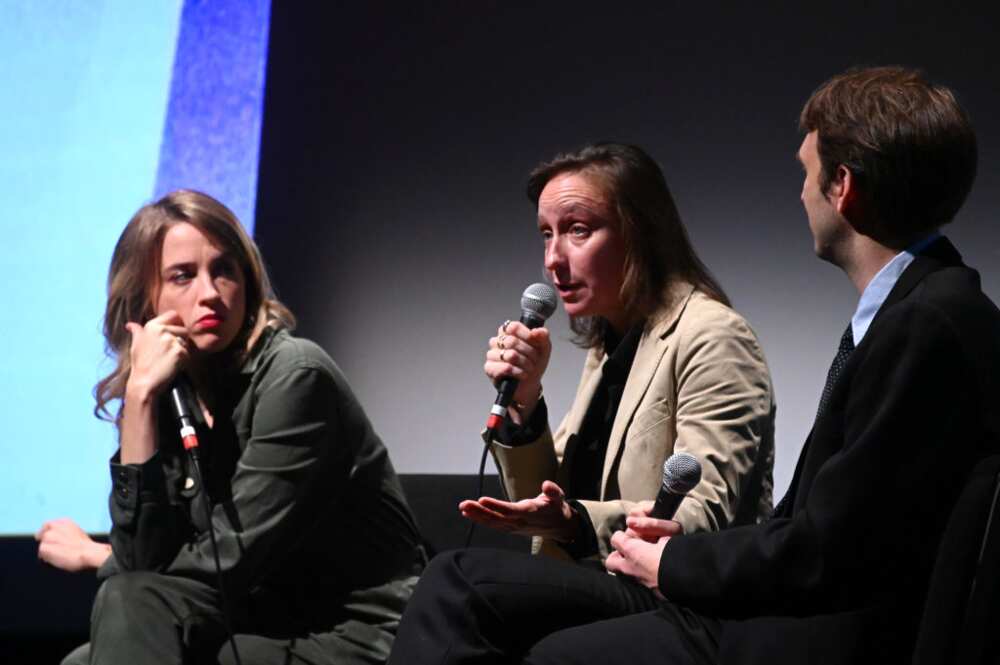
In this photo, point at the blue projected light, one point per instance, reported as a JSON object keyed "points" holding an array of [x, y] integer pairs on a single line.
{"points": [[211, 141], [106, 104]]}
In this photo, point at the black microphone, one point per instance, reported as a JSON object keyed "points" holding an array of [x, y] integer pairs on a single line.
{"points": [[681, 472], [180, 404], [537, 304]]}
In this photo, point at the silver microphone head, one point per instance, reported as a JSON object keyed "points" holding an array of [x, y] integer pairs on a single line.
{"points": [[681, 472], [538, 302]]}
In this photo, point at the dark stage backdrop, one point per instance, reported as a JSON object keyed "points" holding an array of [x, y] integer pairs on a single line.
{"points": [[397, 139]]}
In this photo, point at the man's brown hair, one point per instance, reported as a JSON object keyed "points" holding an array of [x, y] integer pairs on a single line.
{"points": [[908, 144]]}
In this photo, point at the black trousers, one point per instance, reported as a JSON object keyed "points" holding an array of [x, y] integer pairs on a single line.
{"points": [[142, 617], [491, 606]]}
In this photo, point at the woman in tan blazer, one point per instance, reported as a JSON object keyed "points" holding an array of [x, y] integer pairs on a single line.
{"points": [[669, 367], [694, 377]]}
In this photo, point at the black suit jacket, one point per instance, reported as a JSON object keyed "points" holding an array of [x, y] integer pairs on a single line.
{"points": [[839, 576]]}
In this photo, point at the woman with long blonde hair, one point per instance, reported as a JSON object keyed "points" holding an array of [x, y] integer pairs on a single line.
{"points": [[317, 549]]}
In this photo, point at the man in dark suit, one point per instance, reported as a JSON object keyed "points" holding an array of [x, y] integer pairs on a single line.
{"points": [[839, 573]]}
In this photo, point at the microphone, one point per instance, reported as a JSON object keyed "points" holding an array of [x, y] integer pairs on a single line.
{"points": [[180, 403], [681, 472], [537, 304]]}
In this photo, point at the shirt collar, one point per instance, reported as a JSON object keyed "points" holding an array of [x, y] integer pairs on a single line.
{"points": [[881, 284], [619, 361], [253, 358]]}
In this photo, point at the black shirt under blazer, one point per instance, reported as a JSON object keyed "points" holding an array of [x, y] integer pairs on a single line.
{"points": [[839, 576]]}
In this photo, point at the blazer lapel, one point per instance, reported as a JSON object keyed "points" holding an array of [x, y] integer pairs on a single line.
{"points": [[652, 346]]}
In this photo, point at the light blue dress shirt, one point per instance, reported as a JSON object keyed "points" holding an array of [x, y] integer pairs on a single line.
{"points": [[878, 289]]}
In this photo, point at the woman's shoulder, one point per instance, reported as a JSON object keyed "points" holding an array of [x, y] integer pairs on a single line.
{"points": [[285, 352], [705, 311], [706, 321], [709, 332]]}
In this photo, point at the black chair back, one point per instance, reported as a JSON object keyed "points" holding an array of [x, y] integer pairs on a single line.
{"points": [[961, 622], [434, 499]]}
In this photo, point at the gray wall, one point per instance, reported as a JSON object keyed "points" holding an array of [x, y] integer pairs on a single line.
{"points": [[397, 227]]}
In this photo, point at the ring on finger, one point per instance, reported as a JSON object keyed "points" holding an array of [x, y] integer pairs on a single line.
{"points": [[505, 324], [500, 340]]}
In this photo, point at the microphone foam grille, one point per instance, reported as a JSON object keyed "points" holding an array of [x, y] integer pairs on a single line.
{"points": [[539, 299], [681, 472]]}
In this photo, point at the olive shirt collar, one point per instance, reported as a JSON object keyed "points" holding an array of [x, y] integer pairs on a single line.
{"points": [[253, 359]]}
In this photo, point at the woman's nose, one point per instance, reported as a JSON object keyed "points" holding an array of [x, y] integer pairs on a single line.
{"points": [[207, 289], [554, 256]]}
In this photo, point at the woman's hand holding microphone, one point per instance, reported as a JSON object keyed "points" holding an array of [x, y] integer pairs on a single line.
{"points": [[520, 353], [158, 351], [523, 353]]}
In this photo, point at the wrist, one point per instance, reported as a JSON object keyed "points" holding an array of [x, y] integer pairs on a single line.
{"points": [[95, 554], [571, 526], [138, 393], [526, 408]]}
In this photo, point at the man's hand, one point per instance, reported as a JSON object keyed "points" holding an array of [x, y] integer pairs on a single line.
{"points": [[546, 515], [63, 544], [639, 548], [650, 529], [636, 558]]}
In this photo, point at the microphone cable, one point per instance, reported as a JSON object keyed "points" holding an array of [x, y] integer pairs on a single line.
{"points": [[482, 484], [189, 438]]}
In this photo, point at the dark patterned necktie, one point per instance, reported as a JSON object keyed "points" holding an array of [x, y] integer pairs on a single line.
{"points": [[836, 367]]}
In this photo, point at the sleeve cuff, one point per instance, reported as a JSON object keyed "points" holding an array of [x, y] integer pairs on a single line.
{"points": [[132, 482], [662, 572], [584, 543], [108, 568], [512, 435]]}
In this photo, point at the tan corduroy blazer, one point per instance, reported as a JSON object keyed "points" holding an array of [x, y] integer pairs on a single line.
{"points": [[700, 384]]}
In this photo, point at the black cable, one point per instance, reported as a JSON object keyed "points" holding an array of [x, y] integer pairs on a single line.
{"points": [[226, 615], [482, 477]]}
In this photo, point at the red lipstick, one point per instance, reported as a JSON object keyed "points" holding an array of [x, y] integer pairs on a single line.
{"points": [[209, 321]]}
